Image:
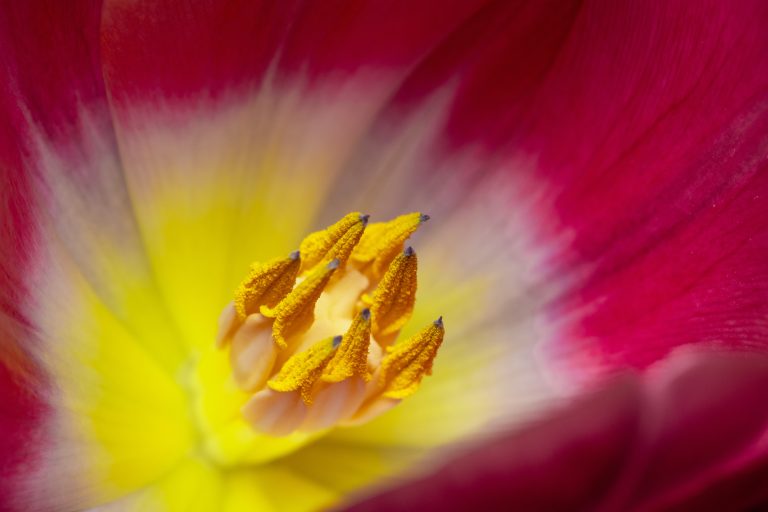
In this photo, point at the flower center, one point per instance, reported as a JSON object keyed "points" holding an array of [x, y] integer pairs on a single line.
{"points": [[313, 336]]}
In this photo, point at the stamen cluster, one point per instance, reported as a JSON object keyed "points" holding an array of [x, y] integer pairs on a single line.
{"points": [[353, 277]]}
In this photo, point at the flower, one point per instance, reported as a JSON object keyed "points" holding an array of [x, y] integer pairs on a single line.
{"points": [[595, 176]]}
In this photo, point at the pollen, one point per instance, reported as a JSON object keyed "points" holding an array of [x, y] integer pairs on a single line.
{"points": [[406, 363], [266, 285], [295, 313], [395, 296], [302, 370], [334, 242], [315, 334], [351, 359], [383, 241]]}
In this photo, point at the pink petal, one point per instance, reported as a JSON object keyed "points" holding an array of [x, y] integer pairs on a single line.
{"points": [[20, 419], [690, 435], [647, 124], [49, 52], [177, 49]]}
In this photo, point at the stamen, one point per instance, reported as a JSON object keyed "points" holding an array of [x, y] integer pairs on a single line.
{"points": [[341, 380], [395, 297], [335, 242], [266, 285], [406, 363], [352, 357], [253, 354], [296, 312], [302, 370], [383, 240]]}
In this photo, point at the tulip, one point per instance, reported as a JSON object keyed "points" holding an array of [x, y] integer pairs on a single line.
{"points": [[220, 290]]}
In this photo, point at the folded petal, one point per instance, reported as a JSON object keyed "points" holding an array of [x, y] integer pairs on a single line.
{"points": [[689, 435]]}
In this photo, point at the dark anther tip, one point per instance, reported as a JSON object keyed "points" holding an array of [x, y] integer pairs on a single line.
{"points": [[424, 217], [336, 341], [366, 314], [294, 255], [439, 322], [334, 264], [409, 251], [364, 219]]}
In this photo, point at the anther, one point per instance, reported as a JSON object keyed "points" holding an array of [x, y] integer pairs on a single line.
{"points": [[382, 242], [406, 363], [266, 285], [296, 312], [351, 359], [302, 370], [343, 379], [395, 297], [336, 241]]}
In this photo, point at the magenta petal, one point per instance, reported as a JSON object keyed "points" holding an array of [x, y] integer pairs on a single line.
{"points": [[689, 435], [49, 52], [181, 49], [647, 124]]}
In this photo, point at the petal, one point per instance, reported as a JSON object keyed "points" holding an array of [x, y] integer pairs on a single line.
{"points": [[666, 441], [646, 128], [198, 57], [664, 192], [32, 98], [79, 315], [197, 486]]}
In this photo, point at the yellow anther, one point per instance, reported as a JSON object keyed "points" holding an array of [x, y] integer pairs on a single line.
{"points": [[395, 296], [302, 370], [334, 242], [351, 359], [408, 362], [296, 312], [266, 285], [382, 242]]}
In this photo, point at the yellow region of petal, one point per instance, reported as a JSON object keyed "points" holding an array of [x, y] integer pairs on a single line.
{"points": [[266, 285], [351, 358], [302, 370], [394, 299], [295, 313], [406, 363], [334, 242], [197, 486], [382, 241], [125, 415]]}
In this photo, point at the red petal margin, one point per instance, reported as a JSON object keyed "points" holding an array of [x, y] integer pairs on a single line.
{"points": [[648, 125], [689, 435], [183, 50], [49, 55]]}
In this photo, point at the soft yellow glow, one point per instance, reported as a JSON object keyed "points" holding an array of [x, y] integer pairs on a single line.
{"points": [[151, 405]]}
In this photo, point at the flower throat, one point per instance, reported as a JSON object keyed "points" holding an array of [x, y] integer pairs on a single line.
{"points": [[314, 336]]}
